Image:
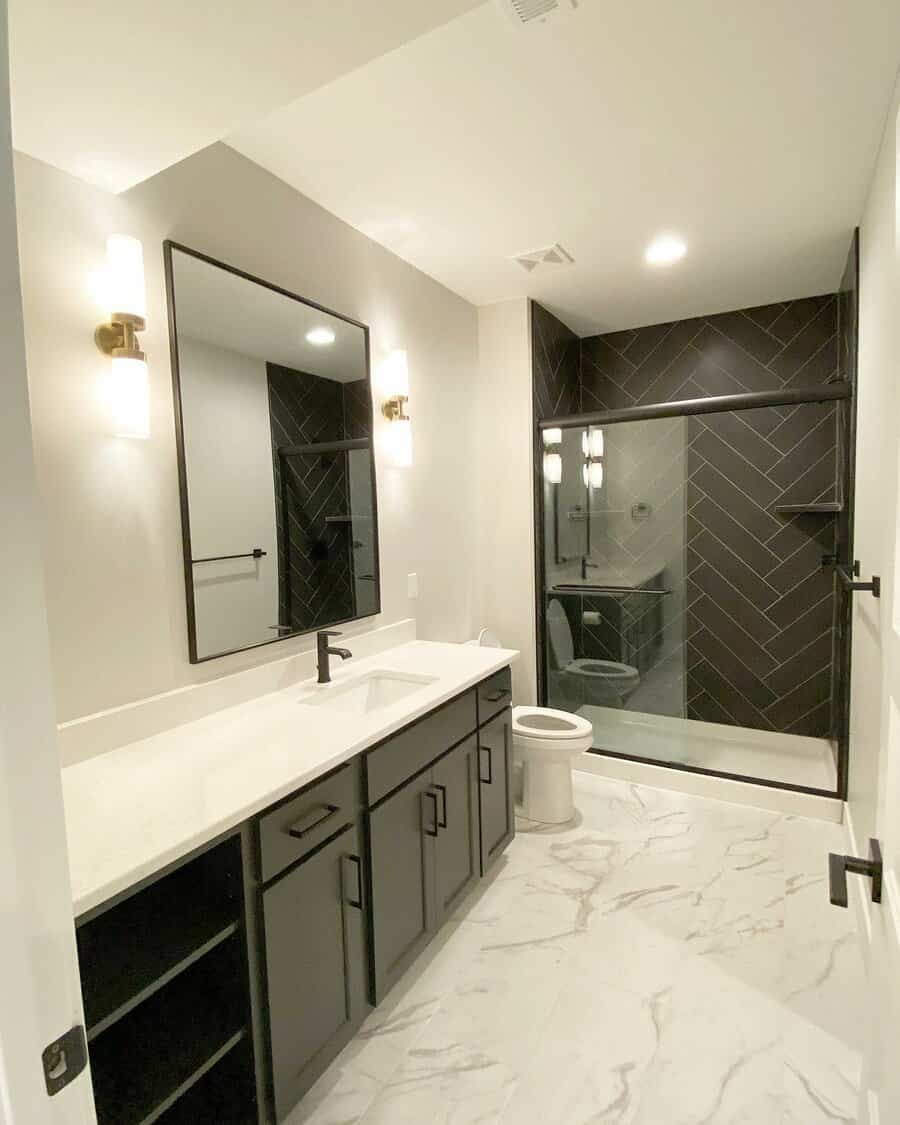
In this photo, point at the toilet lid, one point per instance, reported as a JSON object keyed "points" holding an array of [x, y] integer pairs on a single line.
{"points": [[605, 669], [560, 634], [547, 723]]}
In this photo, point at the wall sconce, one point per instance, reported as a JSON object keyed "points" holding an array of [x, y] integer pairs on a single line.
{"points": [[129, 391], [394, 381]]}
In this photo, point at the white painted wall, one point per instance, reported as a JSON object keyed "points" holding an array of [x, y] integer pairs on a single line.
{"points": [[231, 486], [110, 507], [40, 996], [504, 511], [874, 797], [876, 475]]}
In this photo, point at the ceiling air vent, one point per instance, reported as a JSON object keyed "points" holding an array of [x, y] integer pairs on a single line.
{"points": [[524, 13], [554, 255]]}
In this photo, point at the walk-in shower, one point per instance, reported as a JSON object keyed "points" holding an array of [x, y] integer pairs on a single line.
{"points": [[692, 493]]}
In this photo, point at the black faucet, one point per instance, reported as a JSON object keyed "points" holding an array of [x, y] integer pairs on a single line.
{"points": [[324, 650]]}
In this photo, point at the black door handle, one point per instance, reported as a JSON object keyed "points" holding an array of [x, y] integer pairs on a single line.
{"points": [[489, 780], [311, 820], [442, 822], [839, 865], [430, 794], [357, 901]]}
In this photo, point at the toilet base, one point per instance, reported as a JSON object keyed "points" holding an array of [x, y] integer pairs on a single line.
{"points": [[547, 795]]}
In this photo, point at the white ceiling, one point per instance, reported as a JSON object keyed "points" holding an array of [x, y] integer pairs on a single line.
{"points": [[227, 310], [114, 91], [750, 129]]}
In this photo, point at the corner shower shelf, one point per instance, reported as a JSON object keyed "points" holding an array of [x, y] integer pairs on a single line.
{"points": [[809, 509]]}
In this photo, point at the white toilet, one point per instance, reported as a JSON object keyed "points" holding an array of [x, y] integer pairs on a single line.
{"points": [[546, 743], [604, 683]]}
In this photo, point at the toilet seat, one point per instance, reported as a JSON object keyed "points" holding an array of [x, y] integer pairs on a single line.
{"points": [[610, 670], [549, 732]]}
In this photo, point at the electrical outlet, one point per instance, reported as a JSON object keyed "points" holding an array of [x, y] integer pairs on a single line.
{"points": [[412, 585]]}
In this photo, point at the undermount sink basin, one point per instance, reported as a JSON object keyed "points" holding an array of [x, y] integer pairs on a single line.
{"points": [[367, 693]]}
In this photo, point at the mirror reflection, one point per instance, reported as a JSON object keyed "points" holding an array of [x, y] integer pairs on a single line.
{"points": [[277, 470]]}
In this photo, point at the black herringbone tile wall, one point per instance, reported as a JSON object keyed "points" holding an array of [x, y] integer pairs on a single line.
{"points": [[315, 563], [555, 365], [760, 610]]}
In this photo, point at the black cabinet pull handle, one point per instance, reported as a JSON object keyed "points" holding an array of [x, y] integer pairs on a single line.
{"points": [[442, 823], [357, 901], [839, 865], [430, 795], [489, 780], [313, 819], [496, 696]]}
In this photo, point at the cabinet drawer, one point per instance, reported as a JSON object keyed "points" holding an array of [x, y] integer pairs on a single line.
{"points": [[402, 756], [294, 828], [494, 694]]}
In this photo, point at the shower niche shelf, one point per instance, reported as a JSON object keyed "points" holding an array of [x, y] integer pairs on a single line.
{"points": [[828, 509]]}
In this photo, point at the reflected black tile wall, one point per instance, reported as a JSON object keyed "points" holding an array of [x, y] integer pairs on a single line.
{"points": [[315, 559]]}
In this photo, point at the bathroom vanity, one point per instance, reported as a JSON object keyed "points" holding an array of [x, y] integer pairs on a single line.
{"points": [[220, 985]]}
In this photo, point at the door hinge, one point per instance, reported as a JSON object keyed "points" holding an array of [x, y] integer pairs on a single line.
{"points": [[64, 1059]]}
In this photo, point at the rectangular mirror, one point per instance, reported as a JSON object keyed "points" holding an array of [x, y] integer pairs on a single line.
{"points": [[277, 474]]}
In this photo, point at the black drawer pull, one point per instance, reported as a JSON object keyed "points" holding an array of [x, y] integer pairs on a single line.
{"points": [[839, 865], [313, 819], [357, 901], [442, 822], [432, 796], [489, 780], [496, 696]]}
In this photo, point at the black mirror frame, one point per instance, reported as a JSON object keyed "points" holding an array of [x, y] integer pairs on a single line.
{"points": [[195, 658]]}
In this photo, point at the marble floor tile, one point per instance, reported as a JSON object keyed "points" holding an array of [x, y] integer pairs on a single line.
{"points": [[664, 960]]}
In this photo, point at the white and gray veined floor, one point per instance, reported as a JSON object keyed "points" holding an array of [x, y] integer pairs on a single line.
{"points": [[668, 960]]}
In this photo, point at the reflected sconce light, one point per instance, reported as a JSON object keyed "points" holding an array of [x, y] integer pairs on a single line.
{"points": [[592, 474], [129, 390], [394, 380], [552, 457], [553, 468], [592, 448], [592, 443]]}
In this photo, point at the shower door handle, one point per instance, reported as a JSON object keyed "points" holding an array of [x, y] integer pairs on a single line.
{"points": [[839, 865]]}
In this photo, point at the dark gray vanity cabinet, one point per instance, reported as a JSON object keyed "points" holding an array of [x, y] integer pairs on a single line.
{"points": [[401, 832], [423, 842], [456, 846], [495, 776], [220, 990], [315, 963]]}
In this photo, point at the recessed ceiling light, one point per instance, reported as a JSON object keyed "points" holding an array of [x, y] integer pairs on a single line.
{"points": [[320, 336], [665, 250]]}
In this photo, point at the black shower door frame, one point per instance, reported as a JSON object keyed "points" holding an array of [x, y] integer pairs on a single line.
{"points": [[838, 390]]}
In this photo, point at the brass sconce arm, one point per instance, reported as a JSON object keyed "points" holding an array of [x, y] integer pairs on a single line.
{"points": [[394, 408]]}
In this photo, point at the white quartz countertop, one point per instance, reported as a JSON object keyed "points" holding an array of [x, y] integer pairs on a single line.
{"points": [[132, 811]]}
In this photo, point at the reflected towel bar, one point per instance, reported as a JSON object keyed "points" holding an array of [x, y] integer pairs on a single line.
{"points": [[623, 590], [256, 553]]}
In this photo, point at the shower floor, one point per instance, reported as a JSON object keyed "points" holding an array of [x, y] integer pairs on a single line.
{"points": [[787, 759]]}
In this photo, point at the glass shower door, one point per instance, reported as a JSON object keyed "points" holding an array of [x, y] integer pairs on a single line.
{"points": [[615, 564]]}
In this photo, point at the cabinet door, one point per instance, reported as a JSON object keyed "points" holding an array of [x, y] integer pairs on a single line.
{"points": [[495, 773], [456, 849], [402, 832], [315, 964]]}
